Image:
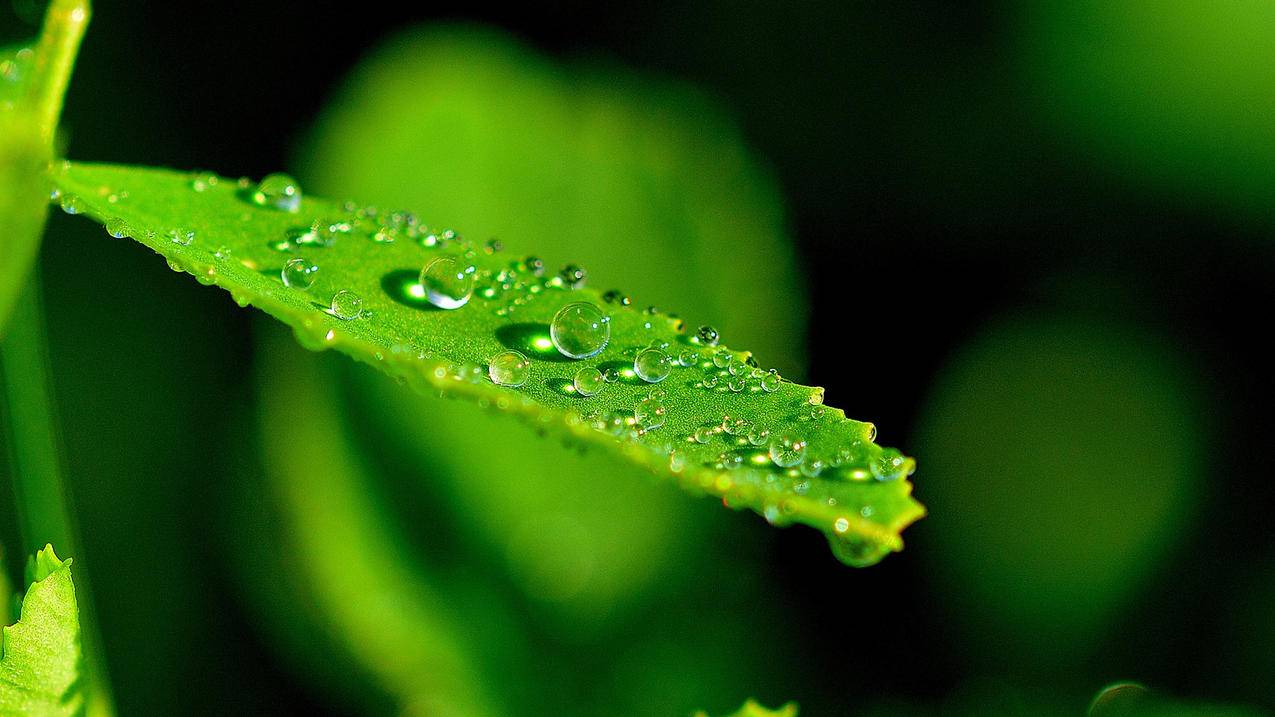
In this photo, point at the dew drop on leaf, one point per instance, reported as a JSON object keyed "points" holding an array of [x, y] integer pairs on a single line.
{"points": [[770, 381], [707, 335], [509, 368], [181, 237], [652, 365], [573, 276], [588, 381], [723, 358], [891, 465], [299, 273], [448, 282], [649, 414], [71, 204], [117, 227], [787, 450], [278, 191], [347, 305], [580, 330]]}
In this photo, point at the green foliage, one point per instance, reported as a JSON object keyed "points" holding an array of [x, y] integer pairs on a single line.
{"points": [[211, 228], [40, 666], [550, 157], [752, 708]]}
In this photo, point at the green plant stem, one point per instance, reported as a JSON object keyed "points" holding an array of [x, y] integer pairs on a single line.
{"points": [[64, 26], [43, 507]]}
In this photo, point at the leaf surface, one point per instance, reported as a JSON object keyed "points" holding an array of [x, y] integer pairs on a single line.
{"points": [[40, 666], [212, 228]]}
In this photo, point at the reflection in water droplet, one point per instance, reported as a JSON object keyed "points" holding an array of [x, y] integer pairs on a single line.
{"points": [[588, 381], [347, 305], [787, 450], [652, 365], [509, 368], [278, 191], [580, 330], [299, 273], [448, 283]]}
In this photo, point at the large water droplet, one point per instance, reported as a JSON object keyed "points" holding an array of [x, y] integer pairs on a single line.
{"points": [[770, 381], [707, 335], [588, 381], [652, 365], [580, 330], [278, 191], [448, 282], [509, 368], [347, 305], [299, 273], [787, 450]]}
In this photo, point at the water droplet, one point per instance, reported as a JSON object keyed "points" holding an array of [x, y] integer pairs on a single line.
{"points": [[117, 227], [758, 436], [723, 358], [535, 265], [509, 368], [816, 413], [649, 414], [71, 204], [703, 435], [735, 426], [710, 381], [573, 276], [299, 273], [841, 525], [384, 235], [580, 330], [770, 382], [203, 181], [448, 282], [813, 467], [707, 335], [493, 246], [737, 384], [730, 460], [656, 393], [615, 296], [610, 375], [181, 237], [652, 365], [347, 305], [787, 450], [687, 358], [588, 381], [278, 191], [891, 465], [738, 368]]}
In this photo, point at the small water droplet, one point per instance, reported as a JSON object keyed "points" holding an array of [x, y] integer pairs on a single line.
{"points": [[181, 237], [737, 384], [891, 465], [723, 358], [299, 273], [588, 381], [652, 365], [841, 525], [278, 191], [649, 414], [346, 305], [710, 381], [703, 435], [770, 382], [71, 204], [580, 330], [735, 426], [448, 282], [203, 181], [730, 460], [811, 468], [707, 335], [573, 276], [493, 246], [509, 368], [535, 265], [758, 436], [787, 450], [117, 227], [615, 296], [687, 358]]}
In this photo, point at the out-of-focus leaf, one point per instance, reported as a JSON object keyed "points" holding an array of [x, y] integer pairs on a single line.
{"points": [[210, 228], [752, 708], [40, 666], [1094, 473], [343, 578]]}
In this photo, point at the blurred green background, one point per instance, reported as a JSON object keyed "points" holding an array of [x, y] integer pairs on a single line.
{"points": [[1031, 241]]}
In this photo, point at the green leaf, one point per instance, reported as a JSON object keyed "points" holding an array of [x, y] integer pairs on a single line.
{"points": [[549, 156], [40, 667], [752, 708], [33, 81], [212, 229]]}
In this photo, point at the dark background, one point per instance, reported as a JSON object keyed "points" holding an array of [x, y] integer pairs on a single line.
{"points": [[931, 185]]}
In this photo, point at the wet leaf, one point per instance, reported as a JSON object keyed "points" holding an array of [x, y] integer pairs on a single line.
{"points": [[271, 250]]}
